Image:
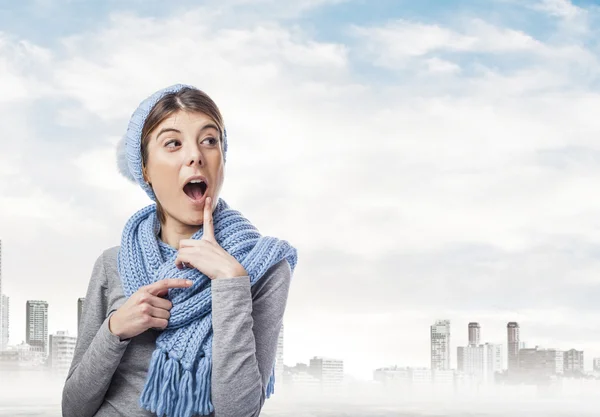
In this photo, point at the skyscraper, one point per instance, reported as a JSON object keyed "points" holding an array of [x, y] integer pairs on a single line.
{"points": [[513, 345], [37, 325], [4, 321], [80, 302], [596, 364], [474, 334], [440, 345]]}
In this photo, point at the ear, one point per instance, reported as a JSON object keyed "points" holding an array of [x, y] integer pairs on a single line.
{"points": [[145, 175], [122, 163]]}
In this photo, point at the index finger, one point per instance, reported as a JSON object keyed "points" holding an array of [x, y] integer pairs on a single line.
{"points": [[159, 286], [207, 224]]}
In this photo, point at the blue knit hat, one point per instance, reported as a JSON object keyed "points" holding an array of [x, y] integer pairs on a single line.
{"points": [[129, 148]]}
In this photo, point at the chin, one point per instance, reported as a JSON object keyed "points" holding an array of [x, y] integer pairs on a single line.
{"points": [[193, 221]]}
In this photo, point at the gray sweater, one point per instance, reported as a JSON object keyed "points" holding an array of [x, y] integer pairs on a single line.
{"points": [[107, 374]]}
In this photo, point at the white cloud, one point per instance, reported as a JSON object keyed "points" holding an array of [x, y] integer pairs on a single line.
{"points": [[394, 173], [442, 66], [397, 42], [22, 69], [560, 8]]}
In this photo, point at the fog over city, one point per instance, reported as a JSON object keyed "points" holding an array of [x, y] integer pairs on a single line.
{"points": [[361, 399]]}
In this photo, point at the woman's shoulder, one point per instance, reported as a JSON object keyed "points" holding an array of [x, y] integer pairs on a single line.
{"points": [[109, 255], [278, 275], [107, 264]]}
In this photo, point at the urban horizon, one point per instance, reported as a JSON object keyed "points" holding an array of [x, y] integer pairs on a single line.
{"points": [[37, 335]]}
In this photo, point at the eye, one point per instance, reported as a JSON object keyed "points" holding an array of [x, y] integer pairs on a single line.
{"points": [[215, 140], [169, 142]]}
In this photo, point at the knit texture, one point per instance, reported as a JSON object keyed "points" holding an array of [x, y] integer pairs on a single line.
{"points": [[129, 156], [179, 374]]}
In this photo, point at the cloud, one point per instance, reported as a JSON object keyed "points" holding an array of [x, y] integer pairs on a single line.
{"points": [[397, 42], [560, 8], [446, 168]]}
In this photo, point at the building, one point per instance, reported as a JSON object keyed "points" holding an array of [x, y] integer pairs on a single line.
{"points": [[481, 361], [36, 334], [279, 356], [62, 348], [513, 336], [460, 358], [79, 312], [596, 364], [537, 363], [393, 375], [4, 321], [496, 357], [440, 345], [474, 334], [573, 361], [21, 355], [328, 370], [300, 376]]}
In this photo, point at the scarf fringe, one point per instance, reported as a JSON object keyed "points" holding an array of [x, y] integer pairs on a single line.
{"points": [[172, 390], [271, 384]]}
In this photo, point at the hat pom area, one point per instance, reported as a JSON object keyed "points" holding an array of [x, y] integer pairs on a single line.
{"points": [[122, 164]]}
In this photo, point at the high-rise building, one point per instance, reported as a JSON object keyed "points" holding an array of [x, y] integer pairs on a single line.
{"points": [[481, 361], [80, 302], [596, 364], [496, 357], [474, 334], [328, 370], [440, 345], [4, 321], [573, 361], [279, 357], [36, 334], [62, 348], [513, 345], [460, 358]]}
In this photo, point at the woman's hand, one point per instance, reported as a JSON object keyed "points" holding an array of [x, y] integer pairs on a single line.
{"points": [[206, 255], [145, 309]]}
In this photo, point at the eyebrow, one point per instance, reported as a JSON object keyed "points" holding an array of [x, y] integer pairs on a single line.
{"points": [[171, 129]]}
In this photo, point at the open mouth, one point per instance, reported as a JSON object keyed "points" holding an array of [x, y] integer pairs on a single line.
{"points": [[195, 189]]}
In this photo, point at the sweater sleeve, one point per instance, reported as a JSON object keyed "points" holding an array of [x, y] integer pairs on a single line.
{"points": [[246, 325], [97, 351]]}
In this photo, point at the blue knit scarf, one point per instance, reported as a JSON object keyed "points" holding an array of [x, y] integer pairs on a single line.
{"points": [[179, 374]]}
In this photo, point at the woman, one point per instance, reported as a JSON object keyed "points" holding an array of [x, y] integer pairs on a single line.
{"points": [[182, 319]]}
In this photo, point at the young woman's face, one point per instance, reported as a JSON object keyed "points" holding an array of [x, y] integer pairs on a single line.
{"points": [[185, 144]]}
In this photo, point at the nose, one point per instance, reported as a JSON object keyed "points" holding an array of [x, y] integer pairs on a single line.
{"points": [[194, 156]]}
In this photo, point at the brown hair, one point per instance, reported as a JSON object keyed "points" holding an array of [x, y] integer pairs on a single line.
{"points": [[187, 99]]}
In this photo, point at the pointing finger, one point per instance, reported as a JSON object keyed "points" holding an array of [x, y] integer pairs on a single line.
{"points": [[207, 225], [158, 287]]}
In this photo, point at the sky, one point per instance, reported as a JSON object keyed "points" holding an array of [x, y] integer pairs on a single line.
{"points": [[429, 160]]}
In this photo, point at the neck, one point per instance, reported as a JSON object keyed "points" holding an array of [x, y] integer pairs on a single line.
{"points": [[172, 231]]}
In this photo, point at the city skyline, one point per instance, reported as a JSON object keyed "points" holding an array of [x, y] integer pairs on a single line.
{"points": [[440, 336]]}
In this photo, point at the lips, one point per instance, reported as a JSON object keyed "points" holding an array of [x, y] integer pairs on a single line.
{"points": [[195, 187]]}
